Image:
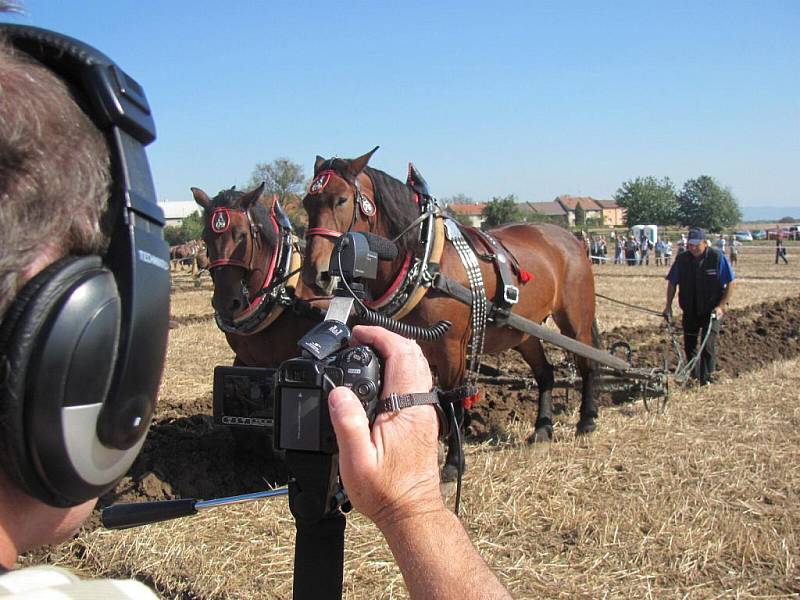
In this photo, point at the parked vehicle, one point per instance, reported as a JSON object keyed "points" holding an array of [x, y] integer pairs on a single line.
{"points": [[794, 232], [759, 234], [743, 236], [777, 233]]}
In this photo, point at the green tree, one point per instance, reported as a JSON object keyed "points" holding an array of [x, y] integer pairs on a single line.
{"points": [[580, 216], [648, 200], [281, 176], [173, 235], [501, 210], [192, 226], [704, 203]]}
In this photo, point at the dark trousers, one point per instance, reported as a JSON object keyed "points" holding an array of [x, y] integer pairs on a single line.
{"points": [[694, 332]]}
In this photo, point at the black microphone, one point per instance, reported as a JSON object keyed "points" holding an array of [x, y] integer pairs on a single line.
{"points": [[385, 249]]}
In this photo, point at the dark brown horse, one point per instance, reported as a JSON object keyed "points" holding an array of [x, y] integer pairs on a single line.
{"points": [[561, 285], [254, 262]]}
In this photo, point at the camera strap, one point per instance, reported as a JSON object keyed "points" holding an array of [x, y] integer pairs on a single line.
{"points": [[396, 402]]}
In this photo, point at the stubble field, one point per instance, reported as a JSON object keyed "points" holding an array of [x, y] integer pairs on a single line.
{"points": [[698, 502]]}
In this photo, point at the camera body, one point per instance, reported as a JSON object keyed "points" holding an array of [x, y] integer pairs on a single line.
{"points": [[289, 403], [302, 385]]}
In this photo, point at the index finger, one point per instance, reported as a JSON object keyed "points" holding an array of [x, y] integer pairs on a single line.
{"points": [[383, 340]]}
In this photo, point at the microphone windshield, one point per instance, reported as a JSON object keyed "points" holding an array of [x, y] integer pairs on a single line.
{"points": [[385, 249]]}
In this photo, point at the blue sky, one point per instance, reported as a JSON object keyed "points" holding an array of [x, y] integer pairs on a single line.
{"points": [[487, 98]]}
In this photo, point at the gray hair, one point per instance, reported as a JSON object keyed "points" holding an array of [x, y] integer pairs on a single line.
{"points": [[54, 171]]}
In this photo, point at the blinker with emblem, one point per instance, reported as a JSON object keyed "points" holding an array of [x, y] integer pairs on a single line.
{"points": [[319, 182], [366, 205], [220, 220]]}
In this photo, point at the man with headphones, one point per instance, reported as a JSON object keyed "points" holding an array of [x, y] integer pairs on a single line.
{"points": [[84, 294], [84, 305]]}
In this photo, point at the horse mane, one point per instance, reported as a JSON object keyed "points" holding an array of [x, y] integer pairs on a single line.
{"points": [[230, 199], [395, 201]]}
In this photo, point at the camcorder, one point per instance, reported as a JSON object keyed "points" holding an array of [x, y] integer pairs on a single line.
{"points": [[290, 404]]}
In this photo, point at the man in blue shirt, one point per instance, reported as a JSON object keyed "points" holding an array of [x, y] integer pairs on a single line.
{"points": [[704, 280]]}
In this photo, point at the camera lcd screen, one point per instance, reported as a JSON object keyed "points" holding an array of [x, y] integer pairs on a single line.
{"points": [[243, 397], [300, 418]]}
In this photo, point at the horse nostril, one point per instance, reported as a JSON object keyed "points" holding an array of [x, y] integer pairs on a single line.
{"points": [[234, 305], [323, 280]]}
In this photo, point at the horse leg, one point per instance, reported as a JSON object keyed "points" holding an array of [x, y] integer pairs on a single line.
{"points": [[588, 370], [532, 352], [579, 328]]}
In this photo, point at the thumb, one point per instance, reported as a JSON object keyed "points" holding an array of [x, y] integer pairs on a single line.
{"points": [[351, 426]]}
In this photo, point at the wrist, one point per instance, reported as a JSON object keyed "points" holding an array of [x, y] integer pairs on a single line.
{"points": [[399, 522]]}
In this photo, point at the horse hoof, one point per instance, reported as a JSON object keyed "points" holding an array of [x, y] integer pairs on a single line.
{"points": [[586, 427], [541, 435]]}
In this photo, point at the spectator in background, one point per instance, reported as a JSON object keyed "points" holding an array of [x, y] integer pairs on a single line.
{"points": [[733, 250], [619, 242], [667, 252], [659, 251], [682, 244], [631, 248], [780, 251], [719, 243], [644, 250]]}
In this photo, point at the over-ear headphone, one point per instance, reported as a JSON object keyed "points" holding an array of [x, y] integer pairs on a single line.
{"points": [[82, 346]]}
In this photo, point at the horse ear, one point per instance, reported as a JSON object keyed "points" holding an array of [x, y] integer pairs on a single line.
{"points": [[201, 198], [250, 198], [280, 214], [356, 165], [318, 163]]}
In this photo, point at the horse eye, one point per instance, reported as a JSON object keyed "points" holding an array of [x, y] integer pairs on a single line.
{"points": [[341, 200]]}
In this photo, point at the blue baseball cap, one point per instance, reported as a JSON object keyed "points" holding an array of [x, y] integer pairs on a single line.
{"points": [[696, 235]]}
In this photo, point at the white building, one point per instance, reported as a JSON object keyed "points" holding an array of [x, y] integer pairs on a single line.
{"points": [[175, 211]]}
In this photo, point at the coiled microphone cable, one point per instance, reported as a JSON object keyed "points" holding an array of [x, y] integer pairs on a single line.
{"points": [[416, 332]]}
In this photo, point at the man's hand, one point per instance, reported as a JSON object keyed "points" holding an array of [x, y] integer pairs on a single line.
{"points": [[718, 312], [392, 472], [667, 314]]}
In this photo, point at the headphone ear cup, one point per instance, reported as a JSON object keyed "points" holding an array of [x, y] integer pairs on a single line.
{"points": [[58, 344]]}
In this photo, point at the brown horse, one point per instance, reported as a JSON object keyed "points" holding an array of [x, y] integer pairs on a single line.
{"points": [[347, 193], [254, 263]]}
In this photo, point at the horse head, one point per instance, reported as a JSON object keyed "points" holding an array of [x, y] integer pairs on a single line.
{"points": [[335, 203], [242, 237]]}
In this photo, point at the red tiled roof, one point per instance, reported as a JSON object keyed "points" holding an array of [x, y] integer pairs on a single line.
{"points": [[473, 210]]}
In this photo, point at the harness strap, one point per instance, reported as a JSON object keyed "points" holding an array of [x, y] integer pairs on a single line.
{"points": [[477, 302], [507, 294]]}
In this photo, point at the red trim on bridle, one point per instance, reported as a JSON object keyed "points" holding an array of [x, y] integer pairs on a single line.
{"points": [[324, 232]]}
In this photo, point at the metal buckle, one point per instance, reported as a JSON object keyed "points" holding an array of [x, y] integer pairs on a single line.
{"points": [[394, 402], [511, 294]]}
